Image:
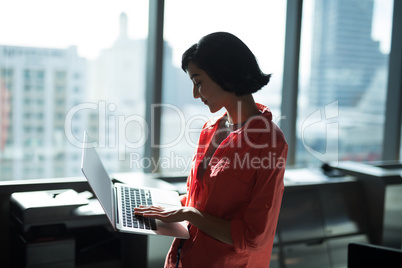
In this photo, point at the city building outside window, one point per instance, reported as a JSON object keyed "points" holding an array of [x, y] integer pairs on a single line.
{"points": [[66, 67], [343, 80]]}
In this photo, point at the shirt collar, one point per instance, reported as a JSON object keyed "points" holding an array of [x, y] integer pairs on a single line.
{"points": [[263, 109]]}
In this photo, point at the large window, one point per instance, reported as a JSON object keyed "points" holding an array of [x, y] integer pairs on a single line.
{"points": [[343, 80], [66, 67], [259, 23], [70, 66]]}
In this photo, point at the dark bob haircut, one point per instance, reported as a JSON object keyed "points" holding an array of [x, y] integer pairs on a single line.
{"points": [[228, 62]]}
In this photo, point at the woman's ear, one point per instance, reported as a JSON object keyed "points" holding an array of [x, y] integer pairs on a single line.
{"points": [[227, 84]]}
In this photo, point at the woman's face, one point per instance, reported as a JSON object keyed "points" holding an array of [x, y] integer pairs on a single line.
{"points": [[210, 93]]}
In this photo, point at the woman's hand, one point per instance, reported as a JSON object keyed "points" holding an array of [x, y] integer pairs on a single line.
{"points": [[163, 214], [215, 227]]}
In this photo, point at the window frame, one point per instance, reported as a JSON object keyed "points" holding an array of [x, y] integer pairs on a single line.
{"points": [[393, 111]]}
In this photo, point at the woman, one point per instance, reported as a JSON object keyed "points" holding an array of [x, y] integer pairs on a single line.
{"points": [[235, 187]]}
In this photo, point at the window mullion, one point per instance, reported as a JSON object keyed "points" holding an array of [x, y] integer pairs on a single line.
{"points": [[153, 89], [393, 112], [291, 76]]}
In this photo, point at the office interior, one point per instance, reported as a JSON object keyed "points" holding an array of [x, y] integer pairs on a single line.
{"points": [[343, 180]]}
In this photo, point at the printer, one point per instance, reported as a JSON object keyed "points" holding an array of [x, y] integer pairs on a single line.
{"points": [[41, 223]]}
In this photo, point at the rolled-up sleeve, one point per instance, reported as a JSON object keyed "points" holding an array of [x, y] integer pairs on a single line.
{"points": [[183, 199], [256, 229]]}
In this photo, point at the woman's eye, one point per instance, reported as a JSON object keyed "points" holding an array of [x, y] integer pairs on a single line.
{"points": [[198, 84]]}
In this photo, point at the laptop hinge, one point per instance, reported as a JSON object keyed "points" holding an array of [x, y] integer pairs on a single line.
{"points": [[116, 207]]}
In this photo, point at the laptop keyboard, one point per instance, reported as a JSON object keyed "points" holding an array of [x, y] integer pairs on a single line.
{"points": [[132, 198]]}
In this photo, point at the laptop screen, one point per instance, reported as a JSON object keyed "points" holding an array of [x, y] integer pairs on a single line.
{"points": [[97, 177]]}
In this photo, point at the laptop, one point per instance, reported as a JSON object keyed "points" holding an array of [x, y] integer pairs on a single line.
{"points": [[118, 200]]}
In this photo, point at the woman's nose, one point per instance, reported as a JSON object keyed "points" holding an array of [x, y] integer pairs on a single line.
{"points": [[196, 93]]}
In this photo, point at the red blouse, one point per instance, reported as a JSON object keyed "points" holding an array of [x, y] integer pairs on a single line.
{"points": [[243, 183]]}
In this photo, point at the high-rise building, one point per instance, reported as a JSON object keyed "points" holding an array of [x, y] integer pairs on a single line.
{"points": [[117, 80], [345, 58], [347, 87], [117, 86], [42, 85]]}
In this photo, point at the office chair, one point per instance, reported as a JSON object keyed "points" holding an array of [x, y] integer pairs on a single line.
{"points": [[365, 255]]}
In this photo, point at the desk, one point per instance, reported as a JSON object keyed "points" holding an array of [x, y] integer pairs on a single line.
{"points": [[319, 216], [382, 185]]}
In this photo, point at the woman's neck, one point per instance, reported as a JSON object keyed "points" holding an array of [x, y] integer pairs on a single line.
{"points": [[241, 110]]}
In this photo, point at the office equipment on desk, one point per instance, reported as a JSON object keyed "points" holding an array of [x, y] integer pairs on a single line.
{"points": [[40, 236], [59, 228], [118, 200], [38, 207]]}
